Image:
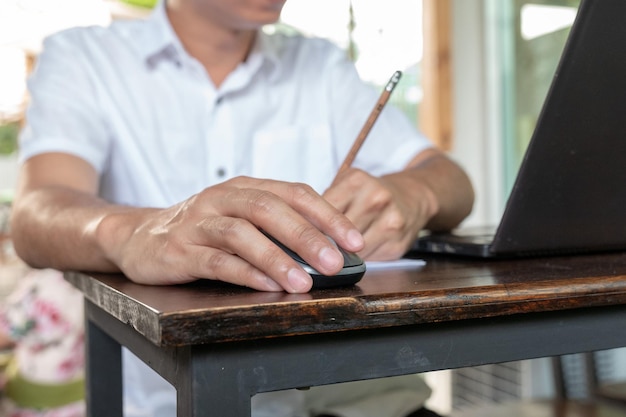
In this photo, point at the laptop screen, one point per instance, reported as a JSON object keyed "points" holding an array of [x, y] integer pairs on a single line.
{"points": [[570, 192]]}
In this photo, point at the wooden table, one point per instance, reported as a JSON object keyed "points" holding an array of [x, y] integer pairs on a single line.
{"points": [[219, 345]]}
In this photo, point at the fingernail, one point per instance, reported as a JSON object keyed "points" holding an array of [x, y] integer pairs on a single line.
{"points": [[355, 238], [299, 280], [330, 258]]}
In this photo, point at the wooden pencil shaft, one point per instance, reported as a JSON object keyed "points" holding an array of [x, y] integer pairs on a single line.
{"points": [[369, 123]]}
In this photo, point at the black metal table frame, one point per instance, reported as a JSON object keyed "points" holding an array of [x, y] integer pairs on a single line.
{"points": [[219, 380]]}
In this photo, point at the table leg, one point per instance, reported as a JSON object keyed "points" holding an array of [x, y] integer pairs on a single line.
{"points": [[207, 389], [219, 379], [104, 359], [206, 385]]}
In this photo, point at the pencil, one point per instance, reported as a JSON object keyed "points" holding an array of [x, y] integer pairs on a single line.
{"points": [[378, 108]]}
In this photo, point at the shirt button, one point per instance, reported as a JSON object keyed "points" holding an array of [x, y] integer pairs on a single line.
{"points": [[219, 100], [221, 172]]}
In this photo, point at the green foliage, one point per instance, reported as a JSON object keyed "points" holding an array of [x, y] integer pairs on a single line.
{"points": [[141, 3], [8, 138]]}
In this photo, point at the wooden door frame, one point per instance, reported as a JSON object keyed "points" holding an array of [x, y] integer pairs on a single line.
{"points": [[436, 109]]}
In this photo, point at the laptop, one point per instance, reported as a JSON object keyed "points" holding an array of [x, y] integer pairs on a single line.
{"points": [[570, 192]]}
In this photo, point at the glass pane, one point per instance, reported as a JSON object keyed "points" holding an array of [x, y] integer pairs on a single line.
{"points": [[532, 40], [380, 36]]}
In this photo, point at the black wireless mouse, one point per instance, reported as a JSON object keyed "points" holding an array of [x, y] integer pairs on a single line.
{"points": [[351, 273]]}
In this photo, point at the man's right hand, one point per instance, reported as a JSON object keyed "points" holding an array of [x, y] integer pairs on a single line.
{"points": [[215, 234]]}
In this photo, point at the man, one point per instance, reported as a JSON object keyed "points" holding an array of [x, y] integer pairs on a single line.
{"points": [[160, 148]]}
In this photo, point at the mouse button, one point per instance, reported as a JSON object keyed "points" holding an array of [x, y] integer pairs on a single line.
{"points": [[354, 269], [285, 249], [292, 254], [349, 276], [350, 258]]}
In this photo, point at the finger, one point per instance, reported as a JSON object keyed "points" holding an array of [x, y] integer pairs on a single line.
{"points": [[340, 193], [286, 223], [319, 212], [388, 250], [195, 261], [385, 240], [361, 197], [239, 237], [211, 263], [365, 210]]}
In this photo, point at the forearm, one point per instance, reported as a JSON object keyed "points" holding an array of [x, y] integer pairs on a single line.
{"points": [[58, 227]]}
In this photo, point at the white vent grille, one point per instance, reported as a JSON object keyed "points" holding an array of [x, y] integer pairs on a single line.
{"points": [[486, 384], [472, 387]]}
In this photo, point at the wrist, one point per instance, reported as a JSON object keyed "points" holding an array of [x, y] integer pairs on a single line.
{"points": [[114, 230], [429, 201]]}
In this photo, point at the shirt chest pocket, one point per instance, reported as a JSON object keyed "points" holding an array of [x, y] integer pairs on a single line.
{"points": [[295, 153]]}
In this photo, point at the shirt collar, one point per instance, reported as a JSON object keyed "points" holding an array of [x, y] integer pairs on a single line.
{"points": [[159, 43], [266, 51]]}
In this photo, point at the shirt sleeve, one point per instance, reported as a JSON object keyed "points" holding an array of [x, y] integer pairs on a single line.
{"points": [[63, 115], [393, 141]]}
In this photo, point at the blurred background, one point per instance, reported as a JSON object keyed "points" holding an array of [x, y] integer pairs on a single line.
{"points": [[476, 73]]}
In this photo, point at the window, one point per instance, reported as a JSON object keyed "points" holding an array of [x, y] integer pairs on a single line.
{"points": [[531, 37], [381, 37]]}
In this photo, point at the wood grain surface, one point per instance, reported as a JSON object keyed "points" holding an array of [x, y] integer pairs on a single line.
{"points": [[442, 290]]}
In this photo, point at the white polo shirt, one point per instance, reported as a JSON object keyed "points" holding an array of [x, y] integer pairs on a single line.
{"points": [[129, 100]]}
